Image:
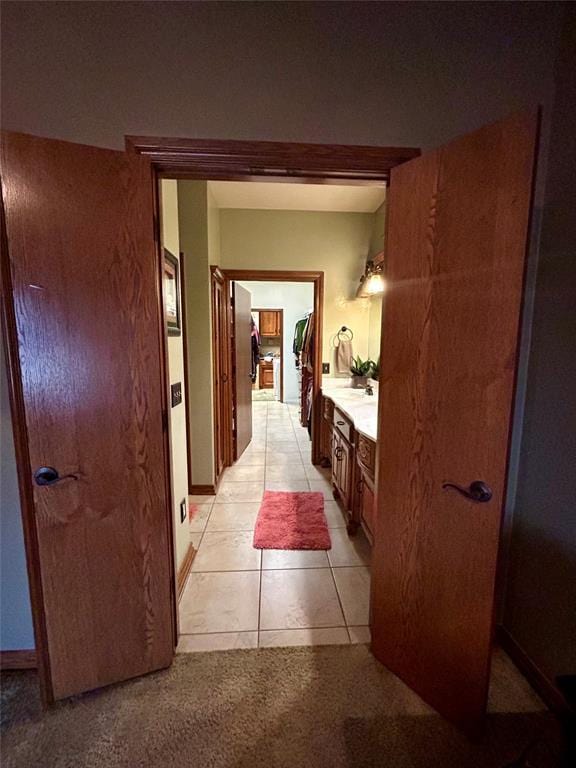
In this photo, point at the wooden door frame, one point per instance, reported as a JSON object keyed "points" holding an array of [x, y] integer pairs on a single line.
{"points": [[294, 276], [216, 276], [277, 309]]}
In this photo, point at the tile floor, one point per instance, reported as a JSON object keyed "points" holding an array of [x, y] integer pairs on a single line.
{"points": [[240, 597]]}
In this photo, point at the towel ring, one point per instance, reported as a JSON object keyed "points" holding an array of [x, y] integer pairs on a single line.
{"points": [[341, 335]]}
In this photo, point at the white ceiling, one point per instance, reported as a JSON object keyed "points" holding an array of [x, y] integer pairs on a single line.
{"points": [[297, 197]]}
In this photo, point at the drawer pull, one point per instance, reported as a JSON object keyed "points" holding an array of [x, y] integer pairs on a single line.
{"points": [[341, 423]]}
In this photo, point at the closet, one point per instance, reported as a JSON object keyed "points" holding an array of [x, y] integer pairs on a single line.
{"points": [[303, 348]]}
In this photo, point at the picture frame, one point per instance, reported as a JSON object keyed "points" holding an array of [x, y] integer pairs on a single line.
{"points": [[171, 293]]}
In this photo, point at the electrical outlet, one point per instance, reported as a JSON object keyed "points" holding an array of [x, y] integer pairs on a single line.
{"points": [[325, 367], [183, 510]]}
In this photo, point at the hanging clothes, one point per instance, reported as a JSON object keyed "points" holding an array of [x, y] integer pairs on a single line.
{"points": [[254, 349], [299, 339], [307, 356]]}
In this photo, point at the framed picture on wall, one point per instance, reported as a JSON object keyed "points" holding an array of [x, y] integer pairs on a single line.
{"points": [[171, 291]]}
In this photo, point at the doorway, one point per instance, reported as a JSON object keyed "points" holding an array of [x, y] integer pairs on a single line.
{"points": [[415, 483]]}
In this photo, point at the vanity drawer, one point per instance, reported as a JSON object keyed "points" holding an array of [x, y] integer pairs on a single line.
{"points": [[367, 453], [328, 410], [343, 425]]}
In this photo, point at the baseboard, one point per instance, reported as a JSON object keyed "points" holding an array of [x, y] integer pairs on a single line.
{"points": [[18, 659], [543, 686], [202, 490], [184, 569]]}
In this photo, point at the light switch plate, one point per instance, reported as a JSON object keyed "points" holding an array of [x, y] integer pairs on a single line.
{"points": [[325, 367], [183, 510]]}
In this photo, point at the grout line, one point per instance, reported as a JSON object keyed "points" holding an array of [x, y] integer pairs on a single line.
{"points": [[339, 601]]}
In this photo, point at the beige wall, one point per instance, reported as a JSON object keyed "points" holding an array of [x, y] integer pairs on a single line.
{"points": [[336, 243], [178, 458], [199, 242]]}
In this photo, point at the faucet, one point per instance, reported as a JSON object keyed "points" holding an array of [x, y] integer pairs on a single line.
{"points": [[368, 389]]}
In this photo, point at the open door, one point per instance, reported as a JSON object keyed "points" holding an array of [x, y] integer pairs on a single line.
{"points": [[457, 234], [81, 277], [242, 367]]}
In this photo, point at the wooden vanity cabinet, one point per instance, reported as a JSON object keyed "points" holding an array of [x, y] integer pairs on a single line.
{"points": [[363, 511], [326, 432], [342, 459]]}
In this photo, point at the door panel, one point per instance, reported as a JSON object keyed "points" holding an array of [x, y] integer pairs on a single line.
{"points": [[242, 314], [457, 233], [219, 352], [85, 274]]}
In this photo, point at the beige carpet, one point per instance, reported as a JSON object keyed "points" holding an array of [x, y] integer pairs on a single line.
{"points": [[330, 707]]}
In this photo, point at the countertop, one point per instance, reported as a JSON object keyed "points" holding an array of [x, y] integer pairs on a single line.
{"points": [[361, 409]]}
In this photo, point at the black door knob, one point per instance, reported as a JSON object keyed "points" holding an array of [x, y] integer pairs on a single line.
{"points": [[477, 491], [49, 476]]}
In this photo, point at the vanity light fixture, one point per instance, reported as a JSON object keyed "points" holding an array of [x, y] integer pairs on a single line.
{"points": [[372, 282]]}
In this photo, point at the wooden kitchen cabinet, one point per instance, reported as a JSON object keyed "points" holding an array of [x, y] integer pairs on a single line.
{"points": [[265, 375], [270, 323]]}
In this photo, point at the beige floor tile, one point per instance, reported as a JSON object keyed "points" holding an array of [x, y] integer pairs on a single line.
{"points": [[227, 551], [236, 491], [314, 472], [293, 471], [243, 474], [324, 487], [348, 550], [196, 538], [286, 485], [359, 634], [233, 517], [334, 515], [197, 499], [293, 558], [225, 641], [298, 599], [283, 457], [199, 517], [353, 585], [220, 602], [320, 636], [251, 459], [273, 443]]}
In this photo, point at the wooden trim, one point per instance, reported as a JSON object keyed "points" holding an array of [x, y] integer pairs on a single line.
{"points": [[216, 276], [18, 659], [165, 404], [184, 569], [273, 275], [282, 355], [186, 372], [275, 161], [203, 490], [24, 470], [543, 686]]}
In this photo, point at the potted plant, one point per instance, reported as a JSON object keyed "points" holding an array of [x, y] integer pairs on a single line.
{"points": [[360, 370]]}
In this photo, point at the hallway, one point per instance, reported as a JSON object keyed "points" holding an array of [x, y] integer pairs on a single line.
{"points": [[240, 597]]}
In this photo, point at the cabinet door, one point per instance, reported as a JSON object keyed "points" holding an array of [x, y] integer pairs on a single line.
{"points": [[346, 469], [336, 441], [269, 323], [367, 504]]}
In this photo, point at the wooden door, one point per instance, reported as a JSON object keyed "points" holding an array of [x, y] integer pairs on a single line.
{"points": [[85, 327], [220, 372], [457, 235], [242, 315]]}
